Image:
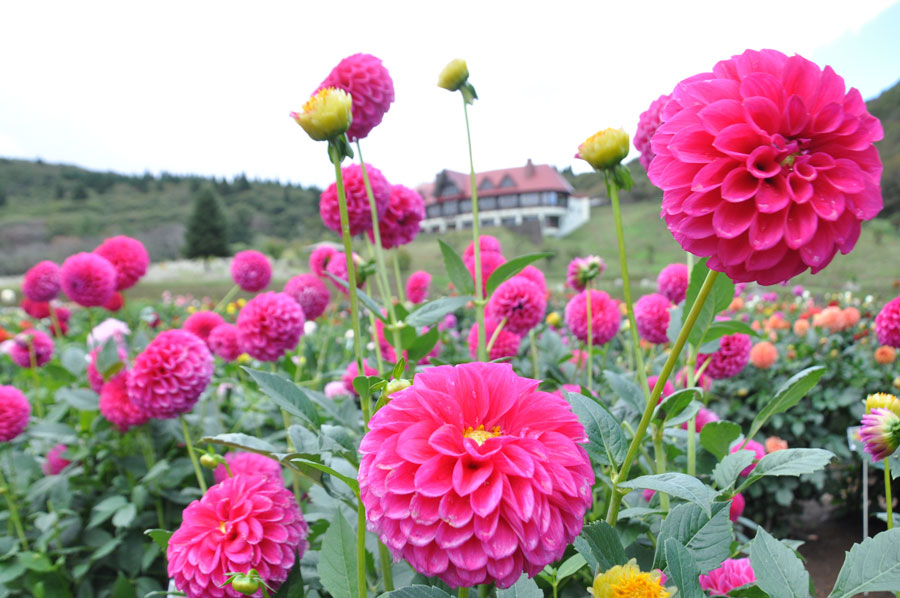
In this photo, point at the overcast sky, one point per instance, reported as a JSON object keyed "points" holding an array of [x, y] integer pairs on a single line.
{"points": [[206, 87]]}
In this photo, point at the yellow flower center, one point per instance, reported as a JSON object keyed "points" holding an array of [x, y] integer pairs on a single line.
{"points": [[313, 102], [480, 435], [222, 527], [883, 400], [628, 581]]}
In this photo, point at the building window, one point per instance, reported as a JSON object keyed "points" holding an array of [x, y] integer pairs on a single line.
{"points": [[450, 208], [488, 203], [551, 221], [563, 200], [486, 184], [465, 206], [507, 222], [549, 198], [530, 199], [451, 226], [509, 201], [507, 181], [466, 224], [526, 219], [436, 228], [449, 189], [488, 222], [433, 210]]}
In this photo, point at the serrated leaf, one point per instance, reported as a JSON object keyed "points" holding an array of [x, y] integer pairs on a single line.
{"points": [[728, 469], [791, 462], [337, 561], [285, 394], [607, 441], [716, 437], [364, 299], [570, 566], [778, 571], [242, 441], [720, 297], [417, 591], [523, 588], [787, 396], [626, 389], [708, 538], [683, 570], [160, 537], [600, 546], [872, 566], [74, 360], [509, 269], [456, 270], [717, 330], [432, 312], [748, 591], [675, 403], [676, 484]]}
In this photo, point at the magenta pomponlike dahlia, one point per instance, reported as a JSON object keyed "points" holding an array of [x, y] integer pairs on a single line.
{"points": [[41, 282], [224, 342], [473, 475], [400, 223], [337, 267], [887, 324], [244, 522], [31, 344], [605, 316], [202, 323], [116, 407], [88, 279], [672, 282], [14, 412], [486, 244], [732, 357], [490, 261], [128, 256], [506, 344], [733, 573], [270, 325], [417, 286], [369, 85], [359, 213], [251, 270], [767, 165], [251, 463], [648, 122], [319, 257], [520, 302], [651, 312], [310, 293]]}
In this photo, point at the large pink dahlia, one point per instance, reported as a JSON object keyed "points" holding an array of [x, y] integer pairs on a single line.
{"points": [[732, 357], [486, 243], [28, 344], [14, 412], [767, 165], [245, 522], [251, 463], [270, 325], [359, 214], [887, 324], [400, 223], [224, 342], [41, 282], [251, 270], [116, 407], [651, 312], [310, 293], [520, 302], [474, 476], [171, 373], [371, 87], [605, 316], [733, 573], [319, 257], [128, 256], [88, 279], [648, 122]]}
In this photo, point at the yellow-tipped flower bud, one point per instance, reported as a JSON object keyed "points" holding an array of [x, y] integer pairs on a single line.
{"points": [[882, 400], [605, 149], [554, 319], [326, 115], [396, 385], [454, 75]]}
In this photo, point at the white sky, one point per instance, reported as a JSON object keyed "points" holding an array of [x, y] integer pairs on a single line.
{"points": [[206, 87]]}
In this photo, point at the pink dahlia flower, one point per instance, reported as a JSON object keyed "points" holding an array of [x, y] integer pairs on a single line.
{"points": [[245, 522], [505, 345], [270, 325], [62, 318], [41, 282], [335, 389], [704, 416], [887, 324], [490, 261], [732, 357], [767, 166], [310, 293], [648, 122], [202, 323], [733, 573], [535, 275], [672, 282], [224, 342], [95, 378], [14, 412], [581, 270], [369, 84], [55, 462], [738, 503], [352, 372], [758, 449], [400, 223], [358, 211], [36, 309], [251, 270], [117, 408], [249, 463], [29, 341], [668, 387], [387, 350], [319, 257], [107, 329], [486, 243], [115, 302], [417, 286], [128, 256], [337, 267], [171, 373], [560, 392], [88, 279], [605, 316], [520, 302], [880, 433], [651, 312], [473, 475]]}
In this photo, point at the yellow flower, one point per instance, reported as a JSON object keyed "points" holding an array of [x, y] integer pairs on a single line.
{"points": [[882, 400], [553, 318], [231, 308], [241, 302], [605, 149], [191, 309], [454, 75], [243, 358], [326, 115], [628, 581]]}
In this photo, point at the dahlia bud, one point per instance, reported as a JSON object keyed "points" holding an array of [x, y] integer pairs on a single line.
{"points": [[326, 115], [245, 584], [553, 319], [209, 461], [396, 385], [605, 149], [454, 75]]}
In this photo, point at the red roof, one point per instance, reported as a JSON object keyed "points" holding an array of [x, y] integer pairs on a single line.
{"points": [[525, 179]]}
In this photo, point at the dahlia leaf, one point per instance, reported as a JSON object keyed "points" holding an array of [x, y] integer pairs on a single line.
{"points": [[160, 536], [779, 572], [675, 403], [108, 357], [293, 585], [626, 389], [82, 399], [750, 591], [104, 509], [787, 396], [285, 394], [337, 559], [509, 269], [600, 546], [423, 345], [719, 329], [719, 298], [432, 312], [729, 468], [456, 270], [790, 462], [73, 360], [685, 415], [707, 538], [295, 461], [607, 441], [367, 301], [716, 437], [872, 566], [570, 566], [679, 485], [683, 570], [523, 588], [417, 591]]}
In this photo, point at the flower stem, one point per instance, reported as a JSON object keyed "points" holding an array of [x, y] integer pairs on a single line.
{"points": [[590, 337], [228, 297], [386, 571], [32, 358], [190, 449], [295, 477], [361, 549], [660, 452], [494, 336], [401, 292], [616, 498], [463, 593], [887, 494], [479, 283], [54, 322], [13, 511], [534, 353]]}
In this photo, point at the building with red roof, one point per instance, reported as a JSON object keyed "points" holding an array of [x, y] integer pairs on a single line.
{"points": [[509, 197]]}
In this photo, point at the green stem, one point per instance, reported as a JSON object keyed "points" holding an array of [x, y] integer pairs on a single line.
{"points": [[384, 289], [32, 357], [54, 322], [660, 452], [13, 511], [295, 478], [378, 355], [228, 297], [386, 571], [479, 284], [534, 353], [361, 549], [494, 336], [190, 449], [887, 494], [401, 291], [692, 423], [463, 593], [616, 498], [590, 337]]}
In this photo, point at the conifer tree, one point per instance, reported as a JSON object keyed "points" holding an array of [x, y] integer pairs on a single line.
{"points": [[207, 230]]}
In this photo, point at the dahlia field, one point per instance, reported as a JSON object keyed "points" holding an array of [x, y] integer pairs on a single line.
{"points": [[359, 432]]}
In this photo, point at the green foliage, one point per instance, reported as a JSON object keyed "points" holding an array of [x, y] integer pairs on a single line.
{"points": [[207, 230]]}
